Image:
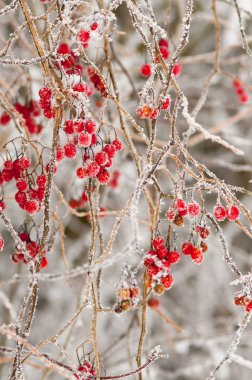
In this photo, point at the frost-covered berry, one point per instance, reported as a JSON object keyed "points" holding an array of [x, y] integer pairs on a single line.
{"points": [[197, 255], [70, 150], [233, 213], [103, 177], [79, 87], [24, 162], [60, 154], [187, 248], [158, 242], [146, 70], [117, 144], [84, 139], [101, 158], [41, 181], [162, 252], [170, 214], [220, 212], [167, 281], [193, 208], [90, 126], [181, 206], [93, 169], [81, 172], [31, 207], [110, 150], [173, 257], [21, 184]]}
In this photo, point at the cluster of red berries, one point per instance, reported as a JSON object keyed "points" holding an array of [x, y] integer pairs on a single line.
{"points": [[85, 35], [68, 60], [87, 369], [232, 213], [195, 252], [79, 203], [29, 112], [242, 300], [27, 197], [158, 262], [32, 248], [164, 49], [180, 208], [240, 91], [45, 102], [1, 243], [97, 167], [97, 82], [127, 298]]}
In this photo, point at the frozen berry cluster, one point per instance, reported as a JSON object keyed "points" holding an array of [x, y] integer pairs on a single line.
{"points": [[30, 112], [158, 261], [32, 248]]}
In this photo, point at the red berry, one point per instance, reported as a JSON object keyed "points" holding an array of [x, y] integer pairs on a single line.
{"points": [[20, 198], [8, 165], [101, 158], [81, 172], [45, 93], [173, 257], [5, 118], [233, 213], [243, 98], [166, 103], [93, 169], [21, 184], [163, 42], [158, 242], [90, 126], [103, 177], [146, 70], [152, 270], [44, 262], [69, 127], [84, 139], [197, 255], [63, 49], [70, 150], [167, 281], [180, 206], [187, 248], [117, 144], [249, 307], [24, 162], [220, 212], [31, 207], [60, 154], [193, 208], [162, 252], [79, 87], [84, 36], [164, 52], [41, 181], [170, 215], [94, 26], [110, 150], [177, 69]]}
